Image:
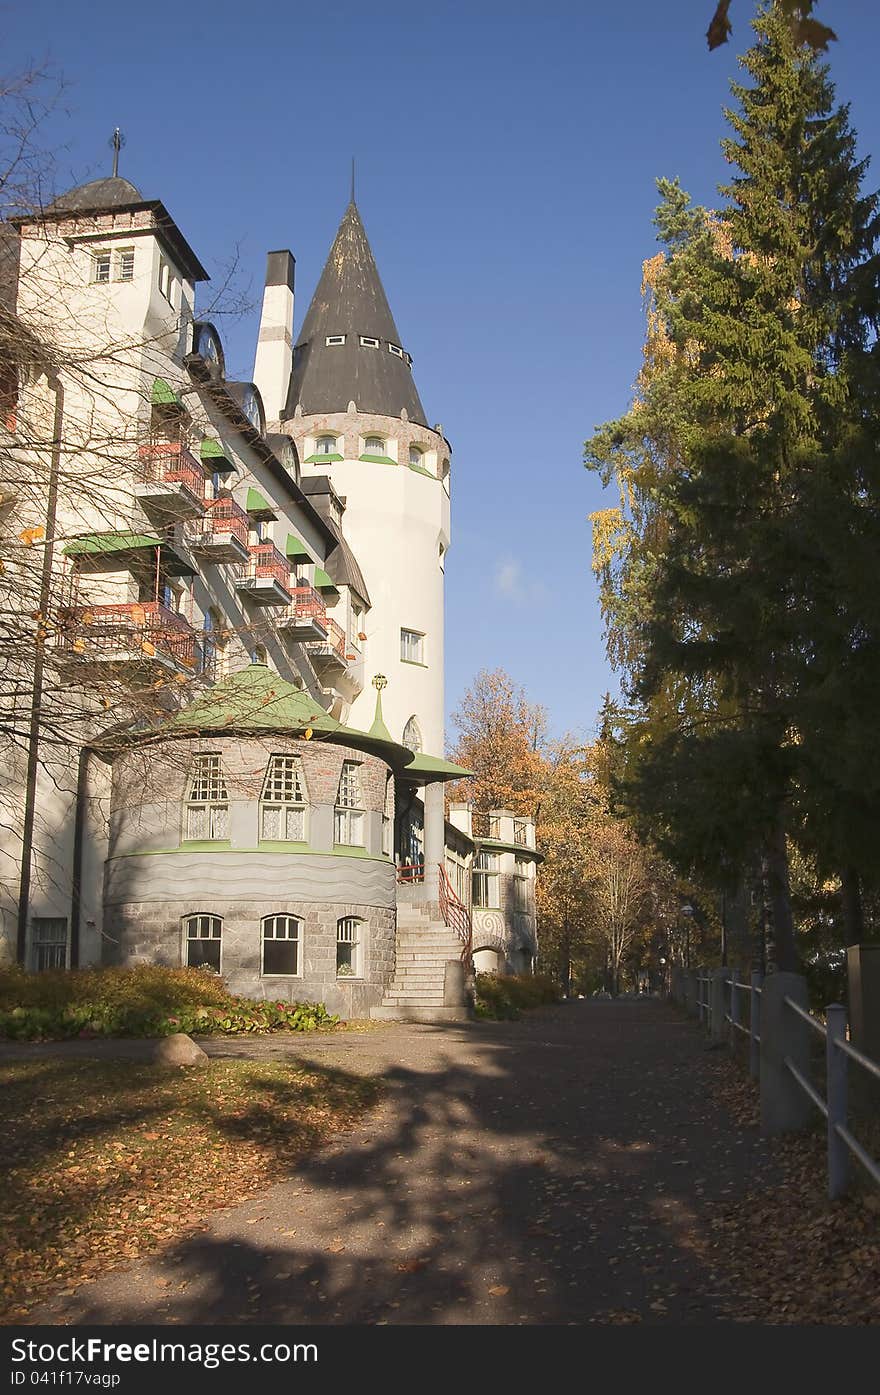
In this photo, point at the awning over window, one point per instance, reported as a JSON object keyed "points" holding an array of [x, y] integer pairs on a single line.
{"points": [[296, 550], [323, 582], [164, 396], [117, 551], [96, 543], [213, 457], [256, 504]]}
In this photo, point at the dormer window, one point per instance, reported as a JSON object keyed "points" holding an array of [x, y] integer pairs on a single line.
{"points": [[334, 339], [415, 456], [101, 268], [374, 445], [325, 445], [368, 342]]}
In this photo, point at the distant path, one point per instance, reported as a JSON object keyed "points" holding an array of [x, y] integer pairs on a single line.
{"points": [[569, 1162]]}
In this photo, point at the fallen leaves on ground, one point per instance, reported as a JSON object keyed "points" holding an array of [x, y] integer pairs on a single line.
{"points": [[104, 1161]]}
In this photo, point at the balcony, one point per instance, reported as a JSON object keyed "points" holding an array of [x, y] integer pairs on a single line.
{"points": [[337, 662], [171, 484], [141, 633], [265, 578], [306, 617], [222, 535]]}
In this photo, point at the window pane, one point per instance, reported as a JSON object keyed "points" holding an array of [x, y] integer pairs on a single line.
{"points": [[280, 957], [295, 830], [197, 821], [203, 952], [219, 821], [271, 824]]}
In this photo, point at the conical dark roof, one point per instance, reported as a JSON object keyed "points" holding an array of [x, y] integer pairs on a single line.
{"points": [[114, 192], [350, 300]]}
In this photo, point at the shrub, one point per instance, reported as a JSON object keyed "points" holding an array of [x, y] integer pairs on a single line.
{"points": [[143, 1002], [504, 998]]}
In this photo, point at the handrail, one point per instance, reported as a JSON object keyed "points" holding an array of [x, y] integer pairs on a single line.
{"points": [[457, 917]]}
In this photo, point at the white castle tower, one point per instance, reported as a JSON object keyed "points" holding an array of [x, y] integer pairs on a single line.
{"points": [[346, 394]]}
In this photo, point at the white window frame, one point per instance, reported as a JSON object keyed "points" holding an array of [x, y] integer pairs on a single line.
{"points": [[379, 445], [326, 445], [368, 342], [284, 792], [520, 833], [208, 797], [56, 938], [349, 932], [202, 921], [412, 646], [348, 815], [124, 259], [485, 874], [521, 878], [102, 261], [281, 920], [396, 349], [333, 339]]}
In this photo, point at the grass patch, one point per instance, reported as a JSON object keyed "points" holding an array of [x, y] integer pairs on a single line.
{"points": [[101, 1162], [148, 1001], [503, 998]]}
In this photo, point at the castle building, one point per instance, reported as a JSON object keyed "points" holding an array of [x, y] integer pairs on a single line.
{"points": [[235, 757]]}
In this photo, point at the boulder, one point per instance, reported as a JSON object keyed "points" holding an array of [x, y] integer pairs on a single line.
{"points": [[178, 1050]]}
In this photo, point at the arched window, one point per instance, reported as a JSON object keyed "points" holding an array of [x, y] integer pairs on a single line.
{"points": [[348, 947], [207, 805], [374, 445], [280, 937], [203, 941], [325, 445], [415, 455], [283, 801], [412, 735], [348, 819]]}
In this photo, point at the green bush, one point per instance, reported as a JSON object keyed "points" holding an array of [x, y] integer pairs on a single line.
{"points": [[143, 1002], [504, 998]]}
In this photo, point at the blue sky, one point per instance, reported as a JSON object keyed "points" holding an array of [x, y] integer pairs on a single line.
{"points": [[506, 161]]}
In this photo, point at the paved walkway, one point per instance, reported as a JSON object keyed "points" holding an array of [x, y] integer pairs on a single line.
{"points": [[561, 1169]]}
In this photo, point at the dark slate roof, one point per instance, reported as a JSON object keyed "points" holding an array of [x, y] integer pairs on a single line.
{"points": [[115, 192], [350, 300], [340, 563]]}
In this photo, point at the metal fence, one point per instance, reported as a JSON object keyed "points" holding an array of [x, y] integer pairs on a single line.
{"points": [[721, 1001]]}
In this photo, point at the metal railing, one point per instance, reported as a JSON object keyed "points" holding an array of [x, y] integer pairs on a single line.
{"points": [[224, 516], [409, 872], [169, 462], [457, 916], [267, 564], [308, 604], [834, 1105], [114, 631], [753, 1030]]}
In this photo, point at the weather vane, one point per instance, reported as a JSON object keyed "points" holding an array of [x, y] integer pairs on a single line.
{"points": [[380, 682], [116, 142]]}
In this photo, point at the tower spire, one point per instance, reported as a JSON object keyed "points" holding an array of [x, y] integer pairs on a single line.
{"points": [[117, 141], [352, 179]]}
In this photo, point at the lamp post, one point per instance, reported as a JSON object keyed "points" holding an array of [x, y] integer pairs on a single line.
{"points": [[687, 911]]}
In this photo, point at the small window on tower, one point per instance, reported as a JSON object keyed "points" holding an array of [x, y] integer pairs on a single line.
{"points": [[374, 445], [396, 350], [334, 339], [325, 445], [101, 268], [412, 647], [125, 264], [368, 342]]}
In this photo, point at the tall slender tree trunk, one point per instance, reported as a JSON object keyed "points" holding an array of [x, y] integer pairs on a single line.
{"points": [[853, 913], [785, 949]]}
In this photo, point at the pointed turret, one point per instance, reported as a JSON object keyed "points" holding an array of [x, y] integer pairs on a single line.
{"points": [[349, 349]]}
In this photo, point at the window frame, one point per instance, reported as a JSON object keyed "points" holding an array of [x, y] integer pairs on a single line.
{"points": [[521, 879], [283, 805], [369, 342], [35, 945], [124, 258], [488, 878], [349, 815], [353, 924], [216, 806], [375, 445], [102, 260], [326, 445], [332, 341], [406, 635], [188, 939], [296, 940]]}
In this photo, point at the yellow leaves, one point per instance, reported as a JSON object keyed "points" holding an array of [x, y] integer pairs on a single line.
{"points": [[308, 734], [148, 648], [31, 535]]}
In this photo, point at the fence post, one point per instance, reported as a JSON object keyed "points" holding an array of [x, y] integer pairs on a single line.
{"points": [[784, 1037], [755, 1024], [734, 1007], [717, 987], [835, 1094], [702, 1005], [691, 992]]}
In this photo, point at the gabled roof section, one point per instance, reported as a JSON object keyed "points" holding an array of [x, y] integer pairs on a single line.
{"points": [[350, 301]]}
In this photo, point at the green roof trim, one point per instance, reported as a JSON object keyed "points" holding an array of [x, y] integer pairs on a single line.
{"points": [[319, 459], [296, 550], [521, 849], [377, 459], [161, 395], [211, 449], [322, 581], [420, 470], [96, 544], [433, 768], [256, 503]]}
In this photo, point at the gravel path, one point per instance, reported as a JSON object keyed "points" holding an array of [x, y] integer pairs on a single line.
{"points": [[561, 1169]]}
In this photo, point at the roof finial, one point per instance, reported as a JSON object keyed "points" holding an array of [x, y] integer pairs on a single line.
{"points": [[352, 179], [117, 141]]}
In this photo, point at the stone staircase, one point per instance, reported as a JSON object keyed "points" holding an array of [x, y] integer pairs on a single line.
{"points": [[416, 993]]}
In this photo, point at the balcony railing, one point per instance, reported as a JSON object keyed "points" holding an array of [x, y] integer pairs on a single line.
{"points": [[169, 462], [225, 517], [121, 632], [336, 638], [308, 604], [268, 564]]}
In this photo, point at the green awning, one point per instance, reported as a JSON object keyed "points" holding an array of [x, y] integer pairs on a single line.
{"points": [[323, 582], [430, 768], [164, 396], [214, 457], [95, 544], [296, 550], [257, 504]]}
